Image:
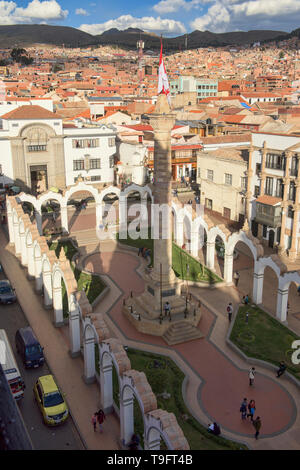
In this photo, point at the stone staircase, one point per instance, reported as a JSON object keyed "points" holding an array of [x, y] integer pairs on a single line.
{"points": [[180, 332]]}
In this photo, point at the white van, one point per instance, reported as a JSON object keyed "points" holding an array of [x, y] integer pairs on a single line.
{"points": [[10, 367]]}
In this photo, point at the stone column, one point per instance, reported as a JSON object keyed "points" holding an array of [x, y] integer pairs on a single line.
{"points": [[74, 327], [228, 267], [258, 283], [284, 204], [89, 353], [179, 232], [58, 306], [17, 237], [38, 218], [282, 300], [249, 185], [106, 384], [194, 243], [162, 121], [47, 282], [64, 219], [38, 272], [126, 419], [98, 214], [296, 207], [263, 167], [30, 260], [123, 217], [23, 247], [10, 227], [210, 255]]}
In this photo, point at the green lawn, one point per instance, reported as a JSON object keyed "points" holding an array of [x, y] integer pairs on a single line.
{"points": [[92, 284], [169, 379], [264, 338], [185, 266]]}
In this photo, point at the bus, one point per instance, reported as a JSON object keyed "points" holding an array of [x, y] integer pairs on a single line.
{"points": [[10, 367]]}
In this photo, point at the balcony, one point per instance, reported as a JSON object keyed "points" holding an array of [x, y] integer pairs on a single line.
{"points": [[268, 214]]}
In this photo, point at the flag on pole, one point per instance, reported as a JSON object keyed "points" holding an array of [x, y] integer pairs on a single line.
{"points": [[163, 83]]}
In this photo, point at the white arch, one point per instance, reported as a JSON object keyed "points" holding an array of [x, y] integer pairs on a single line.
{"points": [[90, 338], [81, 186], [241, 237]]}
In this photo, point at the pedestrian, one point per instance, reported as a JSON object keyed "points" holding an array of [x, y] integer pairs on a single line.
{"points": [[236, 278], [251, 409], [257, 425], [167, 309], [94, 420], [251, 375], [100, 418], [243, 408], [245, 299], [229, 311], [281, 369]]}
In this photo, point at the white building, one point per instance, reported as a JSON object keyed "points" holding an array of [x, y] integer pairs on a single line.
{"points": [[132, 161]]}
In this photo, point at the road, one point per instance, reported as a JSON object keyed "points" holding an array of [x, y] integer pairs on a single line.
{"points": [[64, 437]]}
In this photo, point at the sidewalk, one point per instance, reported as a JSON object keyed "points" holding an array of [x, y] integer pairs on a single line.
{"points": [[82, 399]]}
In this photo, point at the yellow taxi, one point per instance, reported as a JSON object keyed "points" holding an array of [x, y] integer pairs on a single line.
{"points": [[50, 400]]}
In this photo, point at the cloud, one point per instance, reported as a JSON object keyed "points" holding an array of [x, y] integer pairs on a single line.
{"points": [[147, 23], [36, 11], [81, 11], [171, 6], [234, 15]]}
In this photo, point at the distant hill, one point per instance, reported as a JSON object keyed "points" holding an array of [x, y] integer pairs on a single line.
{"points": [[25, 35]]}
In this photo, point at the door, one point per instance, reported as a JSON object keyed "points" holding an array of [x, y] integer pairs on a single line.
{"points": [[39, 178], [226, 212], [271, 238], [254, 228]]}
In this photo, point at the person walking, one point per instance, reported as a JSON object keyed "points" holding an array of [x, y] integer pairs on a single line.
{"points": [[282, 368], [251, 409], [167, 309], [94, 421], [257, 426], [140, 252], [243, 408], [229, 311], [100, 418], [236, 278], [251, 376]]}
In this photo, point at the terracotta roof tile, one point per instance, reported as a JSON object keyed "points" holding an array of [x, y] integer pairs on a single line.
{"points": [[30, 112]]}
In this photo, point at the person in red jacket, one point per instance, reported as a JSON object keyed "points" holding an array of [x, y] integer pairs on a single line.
{"points": [[100, 418]]}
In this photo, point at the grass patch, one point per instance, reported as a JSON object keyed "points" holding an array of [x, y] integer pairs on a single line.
{"points": [[264, 338], [90, 283], [169, 378], [185, 266]]}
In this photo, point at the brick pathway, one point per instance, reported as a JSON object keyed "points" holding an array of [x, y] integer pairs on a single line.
{"points": [[223, 379]]}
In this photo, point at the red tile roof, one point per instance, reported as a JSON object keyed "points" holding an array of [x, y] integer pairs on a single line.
{"points": [[30, 112], [270, 200]]}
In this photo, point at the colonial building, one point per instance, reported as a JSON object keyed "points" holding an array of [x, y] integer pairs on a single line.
{"points": [[274, 189], [37, 151], [222, 178]]}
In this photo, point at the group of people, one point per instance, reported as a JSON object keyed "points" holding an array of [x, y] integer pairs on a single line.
{"points": [[145, 252], [98, 417], [214, 428], [250, 407]]}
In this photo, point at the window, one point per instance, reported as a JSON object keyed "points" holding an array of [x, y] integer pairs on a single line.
{"points": [[78, 165], [111, 162], [269, 186], [85, 143], [292, 191], [96, 178], [279, 188], [294, 167], [275, 161], [95, 164], [265, 230], [210, 175], [256, 191], [290, 212], [208, 203], [258, 168], [228, 179], [199, 172], [111, 142], [244, 183], [36, 148]]}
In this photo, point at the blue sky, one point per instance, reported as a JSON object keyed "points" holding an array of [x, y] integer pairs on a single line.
{"points": [[169, 17]]}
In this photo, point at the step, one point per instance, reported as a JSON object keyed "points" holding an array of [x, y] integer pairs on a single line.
{"points": [[181, 332]]}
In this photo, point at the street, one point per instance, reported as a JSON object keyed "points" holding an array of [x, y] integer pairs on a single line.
{"points": [[64, 437]]}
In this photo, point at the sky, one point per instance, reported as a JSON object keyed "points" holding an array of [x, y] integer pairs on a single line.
{"points": [[167, 17]]}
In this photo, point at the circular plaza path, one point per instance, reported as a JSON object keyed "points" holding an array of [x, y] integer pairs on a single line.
{"points": [[224, 385]]}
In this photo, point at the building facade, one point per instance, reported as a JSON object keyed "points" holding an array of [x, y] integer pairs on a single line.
{"points": [[204, 87]]}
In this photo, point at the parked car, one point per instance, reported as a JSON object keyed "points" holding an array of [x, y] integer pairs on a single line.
{"points": [[50, 400], [29, 348], [7, 293]]}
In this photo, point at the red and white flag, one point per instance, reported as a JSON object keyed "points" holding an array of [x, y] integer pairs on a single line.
{"points": [[163, 83]]}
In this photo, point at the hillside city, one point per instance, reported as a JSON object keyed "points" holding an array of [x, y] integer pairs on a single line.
{"points": [[184, 342]]}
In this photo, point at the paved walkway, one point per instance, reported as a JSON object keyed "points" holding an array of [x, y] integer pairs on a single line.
{"points": [[218, 380]]}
